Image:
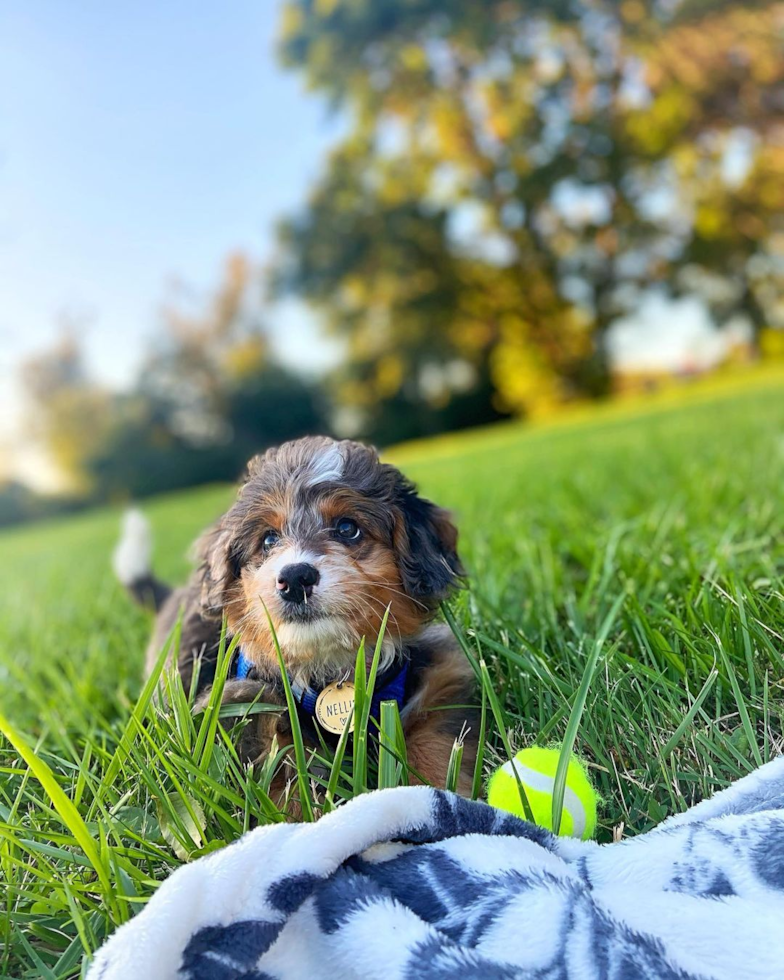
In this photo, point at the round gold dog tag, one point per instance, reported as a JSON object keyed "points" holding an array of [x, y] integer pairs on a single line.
{"points": [[333, 707]]}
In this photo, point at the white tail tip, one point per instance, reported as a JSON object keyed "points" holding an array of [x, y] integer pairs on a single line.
{"points": [[131, 557]]}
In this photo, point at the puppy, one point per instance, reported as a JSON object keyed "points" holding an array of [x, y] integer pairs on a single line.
{"points": [[323, 538]]}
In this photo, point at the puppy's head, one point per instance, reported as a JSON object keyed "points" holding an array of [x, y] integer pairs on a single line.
{"points": [[326, 537]]}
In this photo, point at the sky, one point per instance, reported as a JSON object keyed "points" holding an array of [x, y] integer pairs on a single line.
{"points": [[141, 142], [666, 334]]}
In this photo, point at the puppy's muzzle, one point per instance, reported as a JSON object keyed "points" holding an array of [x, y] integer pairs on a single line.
{"points": [[296, 582]]}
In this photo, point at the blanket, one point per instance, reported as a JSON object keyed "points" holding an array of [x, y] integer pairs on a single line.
{"points": [[414, 882]]}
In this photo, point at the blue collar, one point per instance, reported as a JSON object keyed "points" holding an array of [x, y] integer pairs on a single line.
{"points": [[393, 690], [241, 666]]}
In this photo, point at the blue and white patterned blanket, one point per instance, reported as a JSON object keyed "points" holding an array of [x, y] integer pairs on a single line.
{"points": [[412, 882]]}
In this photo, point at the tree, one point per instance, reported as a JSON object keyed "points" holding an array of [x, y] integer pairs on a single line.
{"points": [[379, 267], [715, 79], [210, 395], [588, 141], [205, 345], [69, 413]]}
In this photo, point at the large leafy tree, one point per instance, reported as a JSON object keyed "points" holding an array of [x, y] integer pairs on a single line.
{"points": [[516, 173]]}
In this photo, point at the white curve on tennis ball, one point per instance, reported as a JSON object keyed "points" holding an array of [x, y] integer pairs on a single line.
{"points": [[544, 784]]}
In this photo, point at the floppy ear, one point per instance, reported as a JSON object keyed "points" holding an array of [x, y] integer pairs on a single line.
{"points": [[219, 551], [429, 564], [219, 567]]}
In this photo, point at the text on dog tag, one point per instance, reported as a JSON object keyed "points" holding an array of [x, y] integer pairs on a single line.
{"points": [[333, 707]]}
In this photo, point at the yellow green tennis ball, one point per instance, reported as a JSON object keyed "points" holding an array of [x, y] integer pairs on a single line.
{"points": [[536, 769]]}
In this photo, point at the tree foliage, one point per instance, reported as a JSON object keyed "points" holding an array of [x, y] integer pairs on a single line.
{"points": [[516, 174], [208, 396], [67, 411]]}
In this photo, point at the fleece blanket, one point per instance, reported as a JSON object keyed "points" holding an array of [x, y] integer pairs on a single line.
{"points": [[413, 882]]}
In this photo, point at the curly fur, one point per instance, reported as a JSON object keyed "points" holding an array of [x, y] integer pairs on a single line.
{"points": [[404, 559]]}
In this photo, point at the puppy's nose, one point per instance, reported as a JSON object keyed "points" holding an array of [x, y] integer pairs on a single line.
{"points": [[295, 582]]}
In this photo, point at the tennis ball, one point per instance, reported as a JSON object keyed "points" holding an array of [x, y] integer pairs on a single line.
{"points": [[536, 770]]}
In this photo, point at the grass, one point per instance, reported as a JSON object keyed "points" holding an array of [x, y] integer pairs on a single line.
{"points": [[626, 595]]}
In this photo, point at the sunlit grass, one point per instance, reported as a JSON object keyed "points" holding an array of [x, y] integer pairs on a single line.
{"points": [[626, 594]]}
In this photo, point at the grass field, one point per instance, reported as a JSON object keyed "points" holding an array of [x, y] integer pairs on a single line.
{"points": [[641, 552]]}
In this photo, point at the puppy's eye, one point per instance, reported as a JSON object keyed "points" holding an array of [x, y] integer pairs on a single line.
{"points": [[269, 540], [347, 529]]}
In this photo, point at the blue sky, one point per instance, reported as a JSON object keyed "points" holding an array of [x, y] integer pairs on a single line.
{"points": [[141, 141]]}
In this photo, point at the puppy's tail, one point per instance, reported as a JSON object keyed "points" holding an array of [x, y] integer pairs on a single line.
{"points": [[132, 565]]}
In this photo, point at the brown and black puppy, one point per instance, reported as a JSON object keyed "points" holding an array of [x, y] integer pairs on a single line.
{"points": [[325, 538]]}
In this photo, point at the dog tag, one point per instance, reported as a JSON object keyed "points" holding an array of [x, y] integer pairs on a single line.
{"points": [[333, 707]]}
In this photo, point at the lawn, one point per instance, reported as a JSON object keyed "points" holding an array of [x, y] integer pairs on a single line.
{"points": [[640, 551]]}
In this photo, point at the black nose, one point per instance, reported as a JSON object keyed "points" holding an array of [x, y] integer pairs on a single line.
{"points": [[295, 582]]}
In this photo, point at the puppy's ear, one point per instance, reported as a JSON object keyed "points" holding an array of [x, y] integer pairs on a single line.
{"points": [[219, 553], [218, 568], [427, 549]]}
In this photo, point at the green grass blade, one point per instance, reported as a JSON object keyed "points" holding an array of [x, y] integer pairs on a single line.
{"points": [[740, 701], [359, 744], [388, 766], [500, 721], [337, 763], [205, 739], [300, 760], [575, 716], [458, 634], [67, 812], [690, 715], [476, 784], [363, 702], [142, 705], [454, 765]]}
